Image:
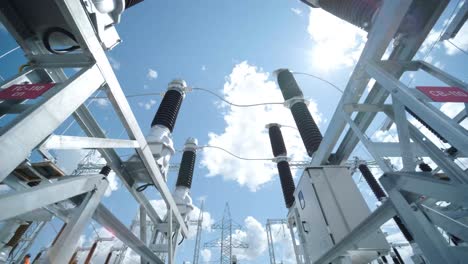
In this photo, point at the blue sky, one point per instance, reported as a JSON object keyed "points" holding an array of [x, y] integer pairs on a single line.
{"points": [[231, 47]]}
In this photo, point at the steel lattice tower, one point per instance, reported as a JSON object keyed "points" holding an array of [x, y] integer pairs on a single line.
{"points": [[199, 222], [226, 242]]}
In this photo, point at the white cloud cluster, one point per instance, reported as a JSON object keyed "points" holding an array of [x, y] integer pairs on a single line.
{"points": [[68, 161], [205, 255], [147, 105], [152, 74], [245, 133], [336, 45], [255, 236], [296, 11]]}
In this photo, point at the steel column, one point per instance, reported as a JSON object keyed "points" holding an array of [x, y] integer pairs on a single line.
{"points": [[62, 251], [22, 135], [72, 142], [46, 194], [383, 30]]}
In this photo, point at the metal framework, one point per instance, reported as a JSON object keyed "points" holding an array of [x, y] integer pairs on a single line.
{"points": [[226, 243], [414, 196], [33, 127], [199, 223], [271, 246]]}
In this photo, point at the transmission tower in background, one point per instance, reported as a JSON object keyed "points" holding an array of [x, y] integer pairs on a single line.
{"points": [[226, 242], [199, 222]]}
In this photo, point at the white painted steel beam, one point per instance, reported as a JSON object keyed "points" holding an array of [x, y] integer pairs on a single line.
{"points": [[105, 218], [404, 51], [426, 235], [383, 30], [373, 222], [446, 127], [76, 17], [46, 194], [452, 226], [31, 127], [419, 183], [63, 249], [389, 149], [72, 142], [92, 129]]}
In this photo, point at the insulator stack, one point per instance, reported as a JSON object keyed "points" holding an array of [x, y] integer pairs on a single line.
{"points": [[279, 151], [372, 182], [168, 110], [433, 131], [276, 140], [380, 194], [308, 129], [187, 165], [400, 259], [287, 182], [425, 167], [356, 12], [186, 169], [361, 13], [105, 170], [130, 3]]}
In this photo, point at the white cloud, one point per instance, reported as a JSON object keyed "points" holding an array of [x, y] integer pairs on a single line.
{"points": [[147, 105], [114, 63], [205, 254], [102, 102], [68, 161], [245, 133], [203, 68], [283, 244], [255, 236], [152, 74], [337, 45], [461, 40], [296, 11], [207, 222]]}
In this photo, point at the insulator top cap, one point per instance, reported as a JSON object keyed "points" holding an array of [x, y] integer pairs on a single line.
{"points": [[278, 71], [191, 144], [178, 85], [272, 125]]}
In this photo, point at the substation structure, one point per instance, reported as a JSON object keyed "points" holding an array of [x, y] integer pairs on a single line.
{"points": [[327, 215], [72, 37], [328, 218]]}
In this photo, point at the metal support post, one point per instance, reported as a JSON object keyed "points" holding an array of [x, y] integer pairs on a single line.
{"points": [[71, 142], [403, 136], [367, 142], [373, 222], [75, 14], [426, 235], [448, 128], [405, 50], [143, 231], [170, 255], [383, 30], [445, 162], [105, 218], [63, 249], [30, 128], [46, 194]]}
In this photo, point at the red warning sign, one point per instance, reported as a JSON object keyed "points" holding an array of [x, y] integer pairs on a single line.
{"points": [[444, 94], [25, 91]]}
